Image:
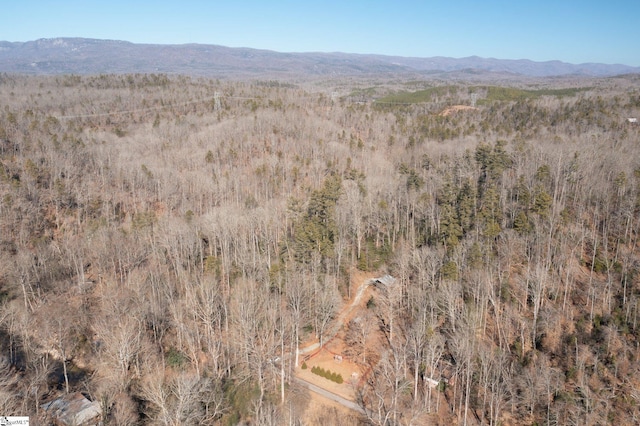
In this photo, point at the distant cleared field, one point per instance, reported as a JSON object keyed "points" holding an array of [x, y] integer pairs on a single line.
{"points": [[426, 95]]}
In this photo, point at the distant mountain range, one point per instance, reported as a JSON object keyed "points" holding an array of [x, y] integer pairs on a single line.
{"points": [[92, 56]]}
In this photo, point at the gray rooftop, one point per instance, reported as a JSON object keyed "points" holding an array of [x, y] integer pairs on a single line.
{"points": [[386, 280], [73, 409]]}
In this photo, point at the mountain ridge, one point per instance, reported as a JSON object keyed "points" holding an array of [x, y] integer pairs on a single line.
{"points": [[67, 55]]}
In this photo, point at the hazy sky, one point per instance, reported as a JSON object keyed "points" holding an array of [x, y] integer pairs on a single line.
{"points": [[606, 31]]}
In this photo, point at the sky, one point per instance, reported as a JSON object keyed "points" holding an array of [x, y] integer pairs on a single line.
{"points": [[602, 31]]}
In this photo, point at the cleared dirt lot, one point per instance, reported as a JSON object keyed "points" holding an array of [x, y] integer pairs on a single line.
{"points": [[333, 355]]}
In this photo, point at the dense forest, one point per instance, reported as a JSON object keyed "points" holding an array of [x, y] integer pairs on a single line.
{"points": [[167, 243]]}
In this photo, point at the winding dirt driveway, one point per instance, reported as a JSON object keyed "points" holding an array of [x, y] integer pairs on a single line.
{"points": [[340, 320], [331, 333]]}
